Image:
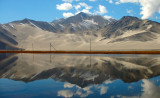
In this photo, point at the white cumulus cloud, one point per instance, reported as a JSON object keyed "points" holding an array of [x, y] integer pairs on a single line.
{"points": [[67, 14], [86, 11], [110, 1], [102, 9], [77, 7], [85, 5], [128, 1], [148, 7], [64, 6]]}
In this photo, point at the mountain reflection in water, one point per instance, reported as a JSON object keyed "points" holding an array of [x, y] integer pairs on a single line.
{"points": [[76, 71]]}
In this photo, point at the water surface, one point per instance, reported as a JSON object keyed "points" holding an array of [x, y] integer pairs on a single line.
{"points": [[111, 76]]}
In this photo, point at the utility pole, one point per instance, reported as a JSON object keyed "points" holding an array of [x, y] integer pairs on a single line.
{"points": [[33, 51], [32, 47], [6, 48], [50, 47], [90, 45], [50, 51], [90, 48], [21, 50]]}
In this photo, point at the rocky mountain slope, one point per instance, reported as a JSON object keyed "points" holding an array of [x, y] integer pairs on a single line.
{"points": [[141, 30], [74, 33]]}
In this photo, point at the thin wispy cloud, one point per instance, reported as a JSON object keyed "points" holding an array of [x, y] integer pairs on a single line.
{"points": [[129, 11], [83, 7], [110, 1]]}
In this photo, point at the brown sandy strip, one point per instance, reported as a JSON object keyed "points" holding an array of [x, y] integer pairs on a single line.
{"points": [[86, 52]]}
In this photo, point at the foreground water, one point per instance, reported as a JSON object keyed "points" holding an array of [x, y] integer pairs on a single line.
{"points": [[108, 76]]}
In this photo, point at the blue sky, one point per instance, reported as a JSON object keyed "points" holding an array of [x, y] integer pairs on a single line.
{"points": [[49, 10]]}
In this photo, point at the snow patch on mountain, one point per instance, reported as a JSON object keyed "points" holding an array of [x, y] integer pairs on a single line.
{"points": [[33, 24], [62, 27], [88, 23], [4, 26], [52, 24], [12, 25]]}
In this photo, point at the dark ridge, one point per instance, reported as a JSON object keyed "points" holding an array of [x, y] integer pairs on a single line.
{"points": [[129, 18], [26, 20]]}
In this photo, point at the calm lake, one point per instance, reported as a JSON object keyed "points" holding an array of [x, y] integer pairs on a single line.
{"points": [[92, 76]]}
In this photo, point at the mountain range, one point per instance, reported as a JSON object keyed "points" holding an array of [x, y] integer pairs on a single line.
{"points": [[74, 33]]}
